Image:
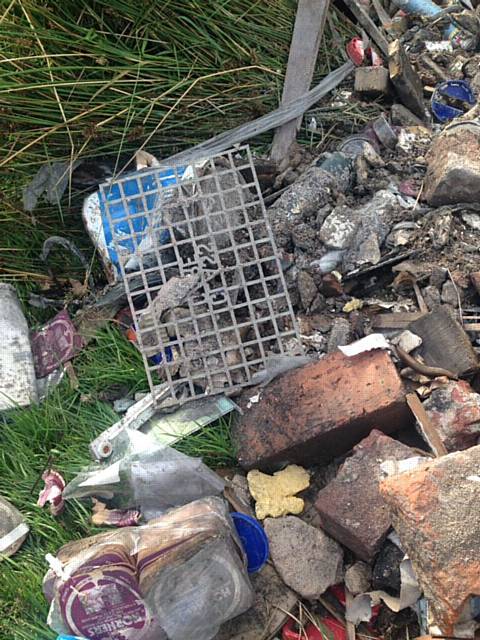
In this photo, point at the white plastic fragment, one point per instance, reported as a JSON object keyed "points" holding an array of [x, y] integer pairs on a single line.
{"points": [[373, 341], [13, 536]]}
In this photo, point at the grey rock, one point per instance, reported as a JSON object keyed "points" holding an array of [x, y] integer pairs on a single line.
{"points": [[304, 237], [358, 578], [302, 200], [432, 297], [308, 561], [306, 288], [340, 335], [407, 341], [438, 276], [371, 231], [449, 294], [440, 232], [338, 229], [453, 171], [472, 220]]}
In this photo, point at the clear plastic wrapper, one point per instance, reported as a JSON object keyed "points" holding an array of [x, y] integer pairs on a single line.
{"points": [[178, 578], [143, 474]]}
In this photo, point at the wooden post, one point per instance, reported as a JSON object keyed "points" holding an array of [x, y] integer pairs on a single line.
{"points": [[307, 34]]}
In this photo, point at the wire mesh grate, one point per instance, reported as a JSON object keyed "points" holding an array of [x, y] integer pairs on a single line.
{"points": [[201, 272]]}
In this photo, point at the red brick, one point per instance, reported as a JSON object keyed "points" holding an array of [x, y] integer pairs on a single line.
{"points": [[351, 507], [454, 411], [319, 411], [435, 513]]}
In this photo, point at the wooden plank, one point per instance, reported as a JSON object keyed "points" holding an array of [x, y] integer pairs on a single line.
{"points": [[307, 34], [405, 79], [399, 320], [428, 430], [367, 23]]}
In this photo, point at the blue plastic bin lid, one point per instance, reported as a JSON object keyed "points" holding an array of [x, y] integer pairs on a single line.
{"points": [[457, 90], [254, 540]]}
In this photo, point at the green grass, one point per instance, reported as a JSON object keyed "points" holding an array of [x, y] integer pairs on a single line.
{"points": [[103, 76]]}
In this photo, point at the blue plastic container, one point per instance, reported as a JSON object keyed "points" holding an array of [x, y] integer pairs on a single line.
{"points": [[425, 8], [254, 540], [456, 89], [146, 188]]}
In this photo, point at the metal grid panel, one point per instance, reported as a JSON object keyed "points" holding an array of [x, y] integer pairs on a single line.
{"points": [[212, 302]]}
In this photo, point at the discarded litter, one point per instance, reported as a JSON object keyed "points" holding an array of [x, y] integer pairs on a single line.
{"points": [[13, 529], [143, 474], [181, 577], [275, 495], [222, 293], [254, 540], [450, 93], [56, 343]]}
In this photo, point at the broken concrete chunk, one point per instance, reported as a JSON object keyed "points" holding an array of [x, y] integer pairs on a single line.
{"points": [[338, 229], [407, 341], [432, 298], [440, 233], [321, 410], [302, 200], [371, 231], [405, 79], [453, 173], [340, 335], [450, 294], [351, 507], [445, 343], [273, 601], [308, 561], [454, 411], [304, 237], [435, 513], [372, 82], [358, 578], [472, 220], [275, 495]]}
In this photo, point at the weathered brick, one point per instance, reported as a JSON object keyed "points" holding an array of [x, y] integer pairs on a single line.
{"points": [[351, 507], [454, 411], [372, 81], [319, 411], [435, 513]]}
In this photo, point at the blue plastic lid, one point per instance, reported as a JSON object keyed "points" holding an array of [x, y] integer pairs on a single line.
{"points": [[457, 90], [254, 540]]}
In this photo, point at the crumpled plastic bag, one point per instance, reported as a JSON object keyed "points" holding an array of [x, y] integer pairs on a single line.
{"points": [[143, 474], [179, 577]]}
